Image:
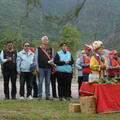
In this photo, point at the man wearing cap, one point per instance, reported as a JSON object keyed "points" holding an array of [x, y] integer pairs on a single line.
{"points": [[85, 63], [64, 61], [113, 64], [98, 64]]}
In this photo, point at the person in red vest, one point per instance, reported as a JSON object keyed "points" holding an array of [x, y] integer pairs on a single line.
{"points": [[113, 64], [85, 63]]}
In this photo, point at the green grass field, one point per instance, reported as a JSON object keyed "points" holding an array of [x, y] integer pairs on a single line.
{"points": [[46, 110]]}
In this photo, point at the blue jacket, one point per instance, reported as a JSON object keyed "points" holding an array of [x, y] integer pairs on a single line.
{"points": [[64, 57], [24, 60]]}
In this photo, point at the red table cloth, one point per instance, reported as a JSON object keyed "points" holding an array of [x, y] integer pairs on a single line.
{"points": [[107, 96]]}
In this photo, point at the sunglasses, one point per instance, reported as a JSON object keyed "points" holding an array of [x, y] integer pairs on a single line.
{"points": [[27, 46]]}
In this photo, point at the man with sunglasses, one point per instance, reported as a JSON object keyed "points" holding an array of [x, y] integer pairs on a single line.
{"points": [[24, 59], [8, 58]]}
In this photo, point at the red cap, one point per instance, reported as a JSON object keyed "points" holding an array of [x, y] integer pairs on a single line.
{"points": [[67, 48], [87, 47], [32, 49], [114, 52]]}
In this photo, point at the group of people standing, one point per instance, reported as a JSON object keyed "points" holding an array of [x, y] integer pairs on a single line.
{"points": [[42, 62], [93, 67]]}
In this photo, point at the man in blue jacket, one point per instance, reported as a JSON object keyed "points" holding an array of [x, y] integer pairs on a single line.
{"points": [[64, 61], [24, 59]]}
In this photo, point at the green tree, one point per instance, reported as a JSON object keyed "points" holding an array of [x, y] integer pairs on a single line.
{"points": [[15, 37], [72, 37]]}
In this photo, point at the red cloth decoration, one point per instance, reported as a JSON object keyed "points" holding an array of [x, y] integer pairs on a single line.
{"points": [[107, 96]]}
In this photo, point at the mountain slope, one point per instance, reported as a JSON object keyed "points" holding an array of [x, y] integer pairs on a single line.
{"points": [[99, 19]]}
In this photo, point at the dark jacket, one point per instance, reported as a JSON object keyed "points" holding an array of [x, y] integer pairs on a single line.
{"points": [[10, 65], [42, 59]]}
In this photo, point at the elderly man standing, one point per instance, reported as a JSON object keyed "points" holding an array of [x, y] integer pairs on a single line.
{"points": [[44, 59]]}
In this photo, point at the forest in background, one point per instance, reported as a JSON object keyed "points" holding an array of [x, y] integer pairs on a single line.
{"points": [[98, 20]]}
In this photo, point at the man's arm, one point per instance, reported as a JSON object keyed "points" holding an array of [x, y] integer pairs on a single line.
{"points": [[78, 64], [72, 61], [2, 57], [18, 62], [57, 60], [36, 59]]}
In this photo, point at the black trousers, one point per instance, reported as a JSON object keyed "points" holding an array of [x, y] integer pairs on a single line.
{"points": [[7, 75], [64, 82], [53, 84], [80, 80], [26, 77], [34, 86]]}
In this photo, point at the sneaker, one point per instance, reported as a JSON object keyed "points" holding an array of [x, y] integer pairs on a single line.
{"points": [[55, 98], [68, 98], [22, 98], [30, 98], [64, 99]]}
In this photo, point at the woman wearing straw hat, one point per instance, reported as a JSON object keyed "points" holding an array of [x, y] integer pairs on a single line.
{"points": [[98, 64]]}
